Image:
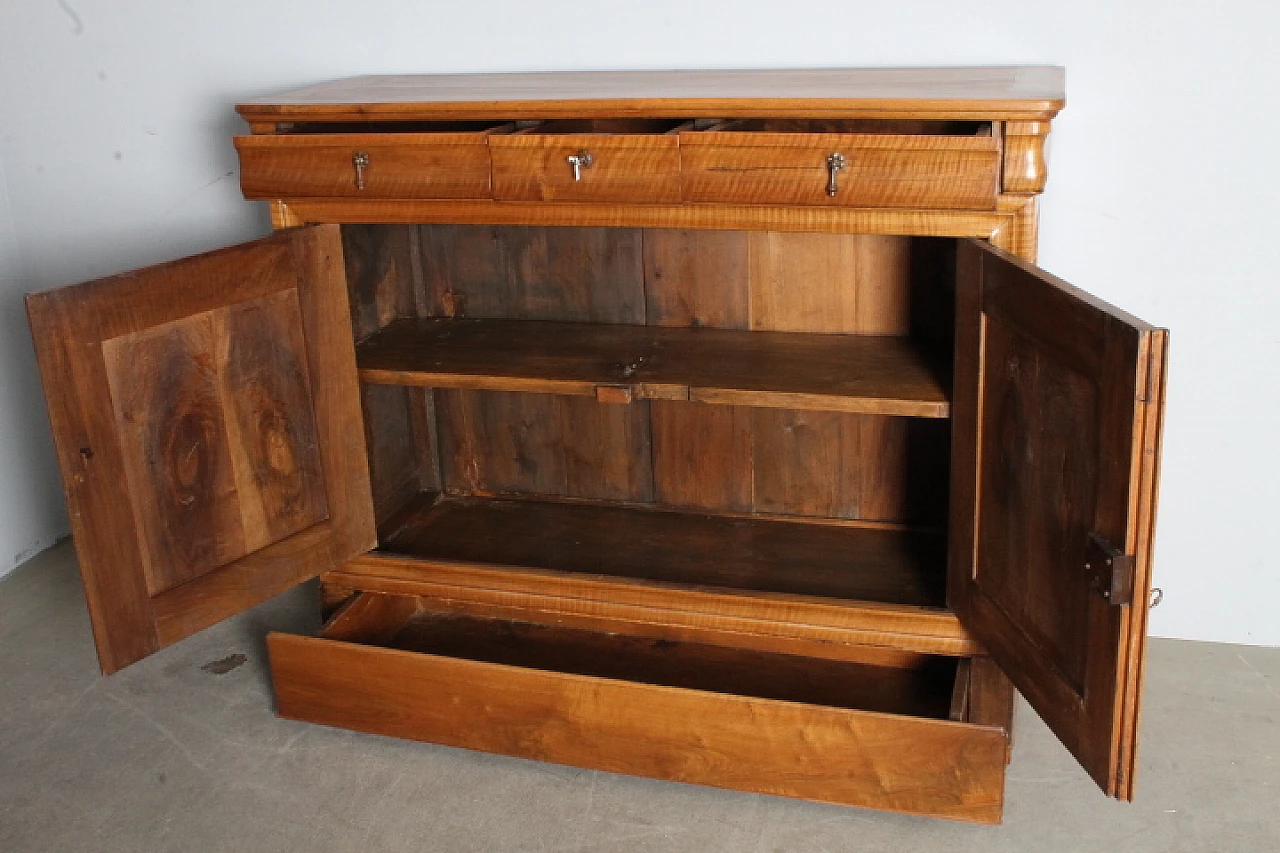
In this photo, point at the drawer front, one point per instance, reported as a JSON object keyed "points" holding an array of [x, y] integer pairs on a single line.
{"points": [[915, 765], [917, 172], [623, 168], [403, 166]]}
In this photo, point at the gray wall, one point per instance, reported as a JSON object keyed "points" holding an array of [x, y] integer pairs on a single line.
{"points": [[115, 126]]}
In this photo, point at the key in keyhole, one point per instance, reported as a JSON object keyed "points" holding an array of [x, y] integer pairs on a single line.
{"points": [[361, 161], [835, 163], [578, 162]]}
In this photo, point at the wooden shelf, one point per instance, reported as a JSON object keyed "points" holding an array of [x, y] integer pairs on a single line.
{"points": [[847, 373], [837, 562]]}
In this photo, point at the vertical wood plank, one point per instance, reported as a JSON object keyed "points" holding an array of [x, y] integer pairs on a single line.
{"points": [[696, 278], [391, 440], [535, 273], [806, 463], [835, 283], [502, 442], [702, 455], [384, 278], [607, 450]]}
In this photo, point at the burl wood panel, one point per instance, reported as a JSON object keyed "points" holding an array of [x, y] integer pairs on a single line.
{"points": [[887, 761], [1058, 405], [204, 412]]}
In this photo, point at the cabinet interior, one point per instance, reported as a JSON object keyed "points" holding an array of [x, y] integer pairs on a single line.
{"points": [[637, 446]]}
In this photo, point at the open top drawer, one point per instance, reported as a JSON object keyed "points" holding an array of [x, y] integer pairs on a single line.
{"points": [[877, 735], [424, 160], [620, 160], [921, 165]]}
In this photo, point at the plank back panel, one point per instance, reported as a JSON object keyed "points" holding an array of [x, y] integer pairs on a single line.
{"points": [[495, 441], [832, 464], [571, 274]]}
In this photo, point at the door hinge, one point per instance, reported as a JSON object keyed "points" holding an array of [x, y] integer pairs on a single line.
{"points": [[1109, 570]]}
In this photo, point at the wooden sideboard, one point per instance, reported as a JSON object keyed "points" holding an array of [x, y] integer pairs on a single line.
{"points": [[708, 426]]}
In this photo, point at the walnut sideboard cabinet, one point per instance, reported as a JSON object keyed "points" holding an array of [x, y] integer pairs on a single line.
{"points": [[708, 426]]}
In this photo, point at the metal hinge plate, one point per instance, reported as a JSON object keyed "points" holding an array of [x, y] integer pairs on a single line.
{"points": [[1109, 570]]}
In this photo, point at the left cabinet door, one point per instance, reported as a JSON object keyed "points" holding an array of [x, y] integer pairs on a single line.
{"points": [[207, 421]]}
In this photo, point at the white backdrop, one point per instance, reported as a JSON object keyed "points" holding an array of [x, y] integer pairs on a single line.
{"points": [[115, 142]]}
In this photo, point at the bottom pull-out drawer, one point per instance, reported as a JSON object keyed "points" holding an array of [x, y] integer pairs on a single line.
{"points": [[851, 733]]}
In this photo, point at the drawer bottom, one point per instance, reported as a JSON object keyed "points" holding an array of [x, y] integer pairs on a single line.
{"points": [[849, 733]]}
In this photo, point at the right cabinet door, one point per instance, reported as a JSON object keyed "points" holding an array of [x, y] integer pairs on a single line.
{"points": [[1056, 423]]}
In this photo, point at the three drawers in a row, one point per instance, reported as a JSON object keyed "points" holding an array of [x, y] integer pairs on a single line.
{"points": [[922, 165]]}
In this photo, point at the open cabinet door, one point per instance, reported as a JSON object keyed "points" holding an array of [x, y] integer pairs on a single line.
{"points": [[207, 422], [1056, 424]]}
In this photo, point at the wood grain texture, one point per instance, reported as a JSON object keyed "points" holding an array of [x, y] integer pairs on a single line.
{"points": [[760, 217], [385, 281], [1025, 93], [790, 557], [703, 456], [696, 278], [1024, 169], [916, 685], [913, 172], [255, 342], [870, 374], [401, 165], [625, 168], [846, 283], [623, 620], [835, 755], [772, 621], [1052, 443], [543, 444], [591, 275]]}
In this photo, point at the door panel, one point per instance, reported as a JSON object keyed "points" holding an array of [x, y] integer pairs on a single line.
{"points": [[1056, 430], [208, 428]]}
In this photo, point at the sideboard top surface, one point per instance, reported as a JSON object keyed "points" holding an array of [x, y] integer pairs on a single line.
{"points": [[1027, 93]]}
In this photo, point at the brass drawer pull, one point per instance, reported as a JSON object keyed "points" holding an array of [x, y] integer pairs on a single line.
{"points": [[578, 162], [835, 163], [361, 161]]}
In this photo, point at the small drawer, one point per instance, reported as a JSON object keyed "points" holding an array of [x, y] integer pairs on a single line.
{"points": [[923, 165], [865, 734], [616, 160], [449, 161]]}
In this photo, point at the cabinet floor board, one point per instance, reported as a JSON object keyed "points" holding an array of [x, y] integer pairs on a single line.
{"points": [[790, 557]]}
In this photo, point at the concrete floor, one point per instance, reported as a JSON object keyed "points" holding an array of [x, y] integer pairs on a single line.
{"points": [[168, 756]]}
